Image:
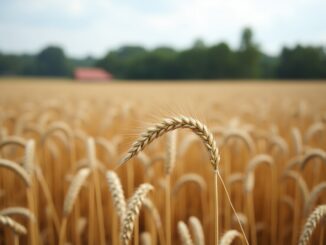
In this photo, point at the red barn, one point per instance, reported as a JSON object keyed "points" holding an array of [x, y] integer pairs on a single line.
{"points": [[92, 74]]}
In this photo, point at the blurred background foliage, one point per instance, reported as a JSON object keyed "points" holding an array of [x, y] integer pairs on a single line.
{"points": [[200, 61]]}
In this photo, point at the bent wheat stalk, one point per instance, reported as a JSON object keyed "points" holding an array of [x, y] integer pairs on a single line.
{"points": [[149, 205], [70, 199], [170, 160], [249, 185], [17, 169], [313, 196], [91, 156]]}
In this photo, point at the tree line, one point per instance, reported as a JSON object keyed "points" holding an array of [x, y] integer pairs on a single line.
{"points": [[200, 61]]}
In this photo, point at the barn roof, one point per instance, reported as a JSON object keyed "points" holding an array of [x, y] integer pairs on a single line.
{"points": [[91, 74]]}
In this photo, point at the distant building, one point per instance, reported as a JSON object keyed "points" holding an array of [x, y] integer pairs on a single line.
{"points": [[92, 74]]}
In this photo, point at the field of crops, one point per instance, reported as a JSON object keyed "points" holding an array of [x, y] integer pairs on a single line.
{"points": [[162, 163]]}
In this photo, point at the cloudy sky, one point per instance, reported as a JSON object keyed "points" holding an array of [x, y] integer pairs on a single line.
{"points": [[92, 27]]}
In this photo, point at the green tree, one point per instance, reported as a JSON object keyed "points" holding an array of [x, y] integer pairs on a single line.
{"points": [[221, 62], [52, 61], [120, 62], [248, 56], [302, 62]]}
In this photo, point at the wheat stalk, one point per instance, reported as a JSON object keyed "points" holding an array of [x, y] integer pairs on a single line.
{"points": [[295, 161], [313, 153], [189, 178], [18, 170], [57, 126], [149, 205], [132, 212], [91, 157], [276, 140], [313, 196], [301, 183], [13, 140], [235, 178], [288, 201], [314, 218], [240, 134]]}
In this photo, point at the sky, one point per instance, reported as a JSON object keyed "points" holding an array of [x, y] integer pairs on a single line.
{"points": [[94, 27]]}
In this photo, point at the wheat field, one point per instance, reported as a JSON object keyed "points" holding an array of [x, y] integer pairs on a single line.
{"points": [[162, 163]]}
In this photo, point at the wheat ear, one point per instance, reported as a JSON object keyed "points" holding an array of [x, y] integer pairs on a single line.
{"points": [[13, 225], [74, 189], [197, 230], [117, 194], [314, 218], [21, 172], [184, 234], [132, 212], [145, 238], [229, 237], [170, 124], [24, 212], [242, 217], [297, 140], [315, 128], [29, 156], [171, 152], [276, 140]]}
